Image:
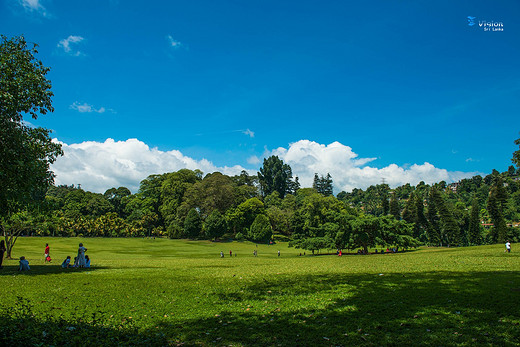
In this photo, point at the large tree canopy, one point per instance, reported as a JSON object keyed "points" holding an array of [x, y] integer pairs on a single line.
{"points": [[274, 175], [25, 152]]}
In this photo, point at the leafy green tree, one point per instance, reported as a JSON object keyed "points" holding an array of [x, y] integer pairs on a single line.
{"points": [[274, 175], [260, 229], [366, 232], [192, 224], [215, 225], [174, 186], [240, 218], [215, 192], [25, 152], [114, 196]]}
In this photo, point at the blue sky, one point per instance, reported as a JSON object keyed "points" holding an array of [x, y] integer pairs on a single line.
{"points": [[220, 85]]}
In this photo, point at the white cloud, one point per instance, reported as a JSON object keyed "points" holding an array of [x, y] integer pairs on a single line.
{"points": [[348, 171], [173, 43], [86, 108], [71, 40], [33, 6], [253, 160], [248, 133], [98, 166]]}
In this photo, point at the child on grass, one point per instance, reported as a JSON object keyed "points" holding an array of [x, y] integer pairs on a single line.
{"points": [[66, 263], [24, 264]]}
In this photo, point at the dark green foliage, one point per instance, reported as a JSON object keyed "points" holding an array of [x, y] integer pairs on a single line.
{"points": [[474, 232], [449, 228], [214, 225], [260, 229], [394, 207], [323, 185], [192, 224], [274, 175]]}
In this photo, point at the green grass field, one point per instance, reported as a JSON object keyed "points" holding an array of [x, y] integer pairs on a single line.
{"points": [[160, 292]]}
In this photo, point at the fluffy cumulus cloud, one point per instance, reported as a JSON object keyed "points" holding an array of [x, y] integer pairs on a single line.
{"points": [[68, 44], [348, 171], [98, 166]]}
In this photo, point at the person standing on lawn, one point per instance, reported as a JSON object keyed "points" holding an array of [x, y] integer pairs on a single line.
{"points": [[47, 252], [81, 255], [508, 246]]}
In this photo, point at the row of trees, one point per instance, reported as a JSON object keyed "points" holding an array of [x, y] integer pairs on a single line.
{"points": [[187, 204]]}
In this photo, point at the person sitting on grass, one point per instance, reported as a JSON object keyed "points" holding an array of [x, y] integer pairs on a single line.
{"points": [[66, 263], [87, 261], [24, 264]]}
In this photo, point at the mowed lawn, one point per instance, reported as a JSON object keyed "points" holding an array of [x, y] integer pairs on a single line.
{"points": [[160, 292]]}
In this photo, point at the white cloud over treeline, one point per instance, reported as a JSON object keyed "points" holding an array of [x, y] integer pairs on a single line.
{"points": [[348, 171], [98, 166]]}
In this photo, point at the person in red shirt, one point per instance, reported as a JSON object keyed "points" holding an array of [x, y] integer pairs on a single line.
{"points": [[47, 251]]}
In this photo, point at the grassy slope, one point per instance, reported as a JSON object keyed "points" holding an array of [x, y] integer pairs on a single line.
{"points": [[180, 291]]}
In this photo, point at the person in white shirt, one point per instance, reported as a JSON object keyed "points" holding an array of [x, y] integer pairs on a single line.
{"points": [[508, 246]]}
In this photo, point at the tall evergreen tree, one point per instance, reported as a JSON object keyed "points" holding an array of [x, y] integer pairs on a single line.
{"points": [[316, 183], [323, 185], [475, 237], [450, 231], [434, 230], [394, 207], [327, 185], [495, 211]]}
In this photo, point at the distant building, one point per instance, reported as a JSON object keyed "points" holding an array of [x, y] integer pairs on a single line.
{"points": [[454, 186]]}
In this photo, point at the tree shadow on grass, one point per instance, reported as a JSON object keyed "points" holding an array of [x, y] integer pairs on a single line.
{"points": [[38, 270], [395, 309], [436, 308]]}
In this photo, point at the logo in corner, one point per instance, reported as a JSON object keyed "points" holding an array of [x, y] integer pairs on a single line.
{"points": [[471, 21]]}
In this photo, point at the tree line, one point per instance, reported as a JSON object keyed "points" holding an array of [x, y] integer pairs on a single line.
{"points": [[189, 204]]}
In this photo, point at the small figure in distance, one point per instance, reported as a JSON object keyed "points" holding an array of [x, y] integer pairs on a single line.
{"points": [[230, 253], [508, 246], [47, 253], [221, 254], [24, 264], [2, 251], [66, 263], [87, 261], [278, 253]]}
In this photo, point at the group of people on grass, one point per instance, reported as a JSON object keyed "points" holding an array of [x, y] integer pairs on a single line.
{"points": [[82, 260]]}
